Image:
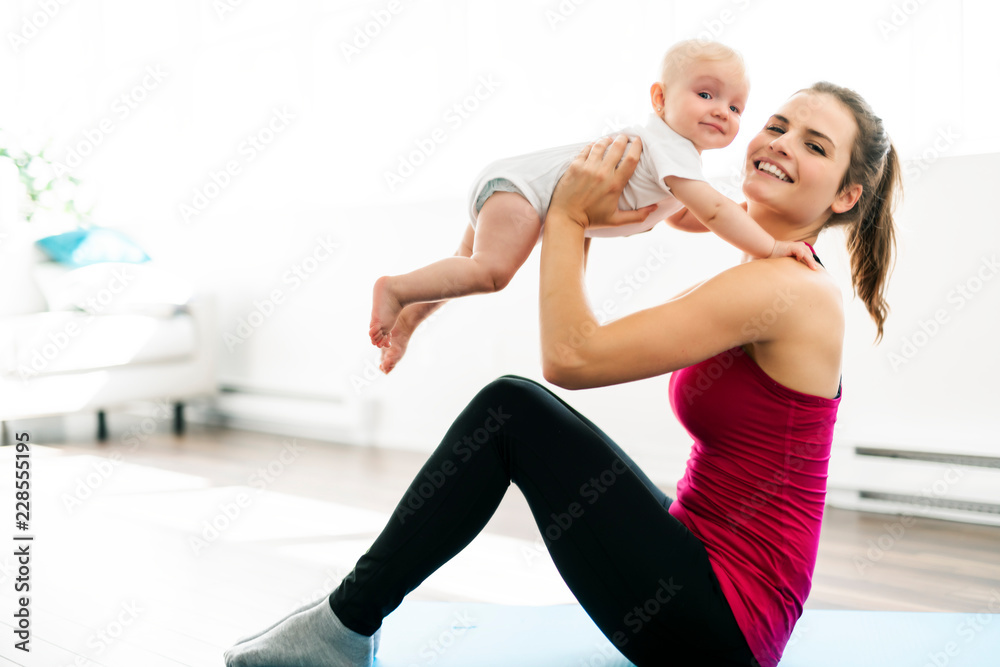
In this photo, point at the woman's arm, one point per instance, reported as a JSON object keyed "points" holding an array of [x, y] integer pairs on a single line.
{"points": [[749, 302]]}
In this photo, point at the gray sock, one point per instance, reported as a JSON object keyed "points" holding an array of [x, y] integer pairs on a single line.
{"points": [[312, 638], [309, 605]]}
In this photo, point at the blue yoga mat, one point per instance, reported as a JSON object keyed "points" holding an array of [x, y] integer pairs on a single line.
{"points": [[458, 634]]}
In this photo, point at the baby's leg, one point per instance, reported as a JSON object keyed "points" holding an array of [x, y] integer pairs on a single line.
{"points": [[507, 229], [411, 316]]}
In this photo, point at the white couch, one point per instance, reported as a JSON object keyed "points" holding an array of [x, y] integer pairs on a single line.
{"points": [[149, 340]]}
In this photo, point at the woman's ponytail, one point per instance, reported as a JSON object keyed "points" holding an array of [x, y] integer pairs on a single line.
{"points": [[871, 233]]}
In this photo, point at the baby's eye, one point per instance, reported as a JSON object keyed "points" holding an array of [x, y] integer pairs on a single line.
{"points": [[734, 109], [705, 96]]}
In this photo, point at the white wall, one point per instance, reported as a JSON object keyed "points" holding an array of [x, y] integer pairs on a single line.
{"points": [[564, 71], [932, 382]]}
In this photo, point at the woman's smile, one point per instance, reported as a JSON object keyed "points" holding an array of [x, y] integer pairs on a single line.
{"points": [[773, 169]]}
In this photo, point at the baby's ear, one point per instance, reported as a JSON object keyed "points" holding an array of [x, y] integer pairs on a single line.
{"points": [[656, 95]]}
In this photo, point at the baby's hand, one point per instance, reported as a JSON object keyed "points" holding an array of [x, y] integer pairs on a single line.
{"points": [[798, 250]]}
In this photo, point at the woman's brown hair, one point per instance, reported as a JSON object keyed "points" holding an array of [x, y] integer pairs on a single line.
{"points": [[871, 234]]}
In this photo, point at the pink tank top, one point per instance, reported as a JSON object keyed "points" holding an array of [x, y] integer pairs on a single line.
{"points": [[754, 488]]}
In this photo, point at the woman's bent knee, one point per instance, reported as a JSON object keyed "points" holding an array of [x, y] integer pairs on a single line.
{"points": [[521, 381], [518, 381], [523, 400], [511, 389]]}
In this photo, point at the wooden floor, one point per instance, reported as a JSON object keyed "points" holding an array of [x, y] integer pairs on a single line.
{"points": [[127, 570]]}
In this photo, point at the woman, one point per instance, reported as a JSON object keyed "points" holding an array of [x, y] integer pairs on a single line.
{"points": [[719, 575]]}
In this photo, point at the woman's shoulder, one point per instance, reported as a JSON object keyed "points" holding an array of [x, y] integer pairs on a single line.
{"points": [[803, 347], [791, 275], [818, 286], [794, 304], [773, 300]]}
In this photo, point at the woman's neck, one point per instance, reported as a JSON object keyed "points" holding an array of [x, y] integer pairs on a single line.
{"points": [[777, 226]]}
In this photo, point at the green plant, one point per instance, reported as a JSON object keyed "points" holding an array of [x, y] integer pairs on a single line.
{"points": [[39, 176]]}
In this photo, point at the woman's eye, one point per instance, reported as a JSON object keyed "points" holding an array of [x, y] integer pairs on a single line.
{"points": [[775, 128], [817, 148]]}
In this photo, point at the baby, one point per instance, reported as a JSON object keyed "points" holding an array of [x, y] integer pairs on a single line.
{"points": [[697, 106]]}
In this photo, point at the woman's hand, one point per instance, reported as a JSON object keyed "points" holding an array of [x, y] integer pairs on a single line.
{"points": [[589, 191]]}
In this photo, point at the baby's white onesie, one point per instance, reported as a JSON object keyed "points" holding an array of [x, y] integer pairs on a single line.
{"points": [[664, 153]]}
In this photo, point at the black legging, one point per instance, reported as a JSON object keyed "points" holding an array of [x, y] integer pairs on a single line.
{"points": [[639, 573]]}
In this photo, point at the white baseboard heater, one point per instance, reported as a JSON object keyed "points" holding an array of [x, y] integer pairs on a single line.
{"points": [[296, 414], [952, 485]]}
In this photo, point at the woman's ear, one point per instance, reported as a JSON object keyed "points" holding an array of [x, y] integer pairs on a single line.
{"points": [[846, 198], [656, 96]]}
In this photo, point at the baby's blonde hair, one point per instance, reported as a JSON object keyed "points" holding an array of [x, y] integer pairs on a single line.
{"points": [[682, 54]]}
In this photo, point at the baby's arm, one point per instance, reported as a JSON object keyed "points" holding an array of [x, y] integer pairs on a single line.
{"points": [[731, 223]]}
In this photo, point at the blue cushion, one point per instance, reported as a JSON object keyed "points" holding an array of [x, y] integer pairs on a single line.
{"points": [[449, 634], [81, 247]]}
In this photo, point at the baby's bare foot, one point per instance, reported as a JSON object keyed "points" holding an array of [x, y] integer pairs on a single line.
{"points": [[385, 311], [391, 355], [409, 319]]}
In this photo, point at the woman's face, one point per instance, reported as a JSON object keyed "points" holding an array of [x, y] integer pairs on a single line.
{"points": [[795, 165]]}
